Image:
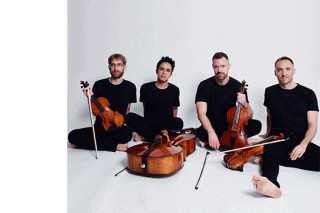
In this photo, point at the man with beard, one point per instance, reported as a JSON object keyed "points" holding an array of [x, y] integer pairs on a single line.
{"points": [[215, 96], [160, 102], [292, 109], [120, 93]]}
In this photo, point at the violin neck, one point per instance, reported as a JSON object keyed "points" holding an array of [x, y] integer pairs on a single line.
{"points": [[237, 114], [100, 107]]}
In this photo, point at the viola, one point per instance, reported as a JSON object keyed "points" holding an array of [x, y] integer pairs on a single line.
{"points": [[111, 120], [237, 159], [237, 117], [164, 156]]}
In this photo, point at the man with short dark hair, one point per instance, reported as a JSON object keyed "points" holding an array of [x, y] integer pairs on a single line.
{"points": [[160, 102], [120, 93], [292, 109], [215, 96]]}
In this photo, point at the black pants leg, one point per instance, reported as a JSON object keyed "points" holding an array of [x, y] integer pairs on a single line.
{"points": [[83, 138], [278, 154], [149, 128], [253, 128]]}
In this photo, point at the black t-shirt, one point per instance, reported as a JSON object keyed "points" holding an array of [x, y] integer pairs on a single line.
{"points": [[289, 108], [219, 99], [119, 96], [159, 103]]}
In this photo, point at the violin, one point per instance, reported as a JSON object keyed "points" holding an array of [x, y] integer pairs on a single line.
{"points": [[237, 117], [111, 120], [164, 156], [237, 159]]}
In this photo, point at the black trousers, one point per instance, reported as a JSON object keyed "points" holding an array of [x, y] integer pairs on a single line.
{"points": [[253, 128], [83, 138], [278, 154], [149, 128]]}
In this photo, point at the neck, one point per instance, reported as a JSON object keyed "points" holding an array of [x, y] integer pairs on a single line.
{"points": [[115, 81], [223, 81], [162, 85], [288, 86]]}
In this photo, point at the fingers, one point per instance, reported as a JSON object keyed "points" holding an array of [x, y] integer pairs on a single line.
{"points": [[296, 153]]}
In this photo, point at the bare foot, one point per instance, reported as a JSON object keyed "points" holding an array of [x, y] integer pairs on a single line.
{"points": [[203, 144], [138, 138], [122, 147], [73, 146], [266, 187], [258, 159]]}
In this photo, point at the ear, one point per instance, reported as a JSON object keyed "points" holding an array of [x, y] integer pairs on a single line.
{"points": [[294, 71], [125, 67], [275, 72]]}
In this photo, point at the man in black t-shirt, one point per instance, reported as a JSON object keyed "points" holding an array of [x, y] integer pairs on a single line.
{"points": [[120, 94], [292, 109], [215, 96], [160, 102]]}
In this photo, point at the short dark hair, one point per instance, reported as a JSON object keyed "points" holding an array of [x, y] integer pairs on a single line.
{"points": [[166, 59], [117, 57], [219, 55], [283, 58]]}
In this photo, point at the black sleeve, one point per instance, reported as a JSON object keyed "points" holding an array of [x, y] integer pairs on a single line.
{"points": [[313, 102], [266, 99], [142, 94], [133, 96], [201, 94], [177, 100]]}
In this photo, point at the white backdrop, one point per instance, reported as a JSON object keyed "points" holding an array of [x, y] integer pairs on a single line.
{"points": [[253, 34]]}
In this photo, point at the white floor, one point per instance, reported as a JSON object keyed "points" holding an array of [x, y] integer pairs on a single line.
{"points": [[93, 187]]}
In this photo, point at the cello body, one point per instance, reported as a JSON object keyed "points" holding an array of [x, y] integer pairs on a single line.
{"points": [[165, 158]]}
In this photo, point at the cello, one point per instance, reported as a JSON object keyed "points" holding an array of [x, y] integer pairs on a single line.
{"points": [[234, 137], [111, 120], [164, 156]]}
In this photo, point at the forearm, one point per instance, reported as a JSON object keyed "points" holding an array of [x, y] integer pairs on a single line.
{"points": [[249, 110], [175, 112], [206, 124], [310, 134]]}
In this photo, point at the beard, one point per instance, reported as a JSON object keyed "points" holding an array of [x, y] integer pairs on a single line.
{"points": [[221, 77], [116, 74]]}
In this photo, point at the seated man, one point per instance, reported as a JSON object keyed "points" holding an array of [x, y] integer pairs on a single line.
{"points": [[160, 102], [120, 93], [215, 96], [292, 109]]}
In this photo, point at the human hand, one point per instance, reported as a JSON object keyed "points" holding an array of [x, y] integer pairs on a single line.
{"points": [[213, 140], [241, 98], [87, 91], [298, 151]]}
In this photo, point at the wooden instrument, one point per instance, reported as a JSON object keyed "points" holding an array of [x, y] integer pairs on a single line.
{"points": [[111, 120], [164, 156], [237, 159], [237, 117], [238, 149]]}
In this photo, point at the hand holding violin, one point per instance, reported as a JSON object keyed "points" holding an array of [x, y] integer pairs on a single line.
{"points": [[241, 98], [88, 91]]}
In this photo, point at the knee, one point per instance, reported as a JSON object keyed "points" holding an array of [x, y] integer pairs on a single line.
{"points": [[130, 117], [178, 123], [71, 136]]}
